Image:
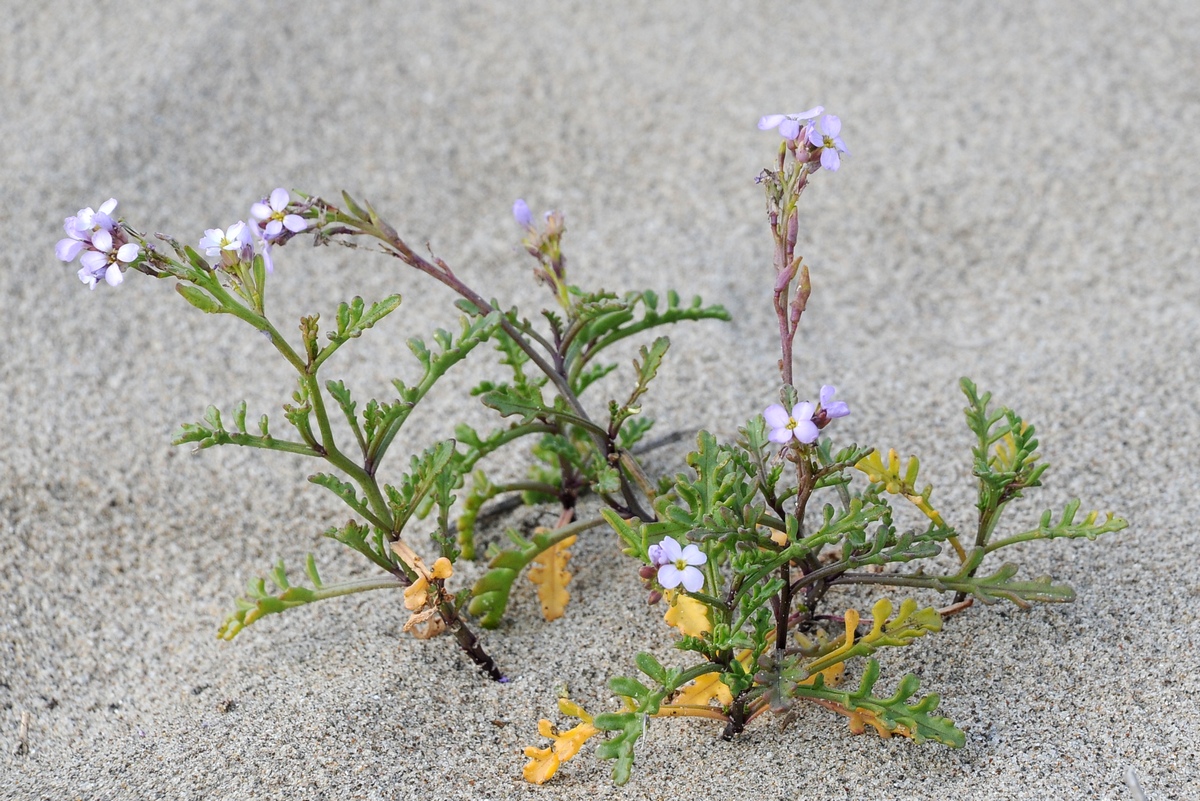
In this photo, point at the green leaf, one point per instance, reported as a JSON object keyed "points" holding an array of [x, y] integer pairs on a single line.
{"points": [[422, 476], [348, 494], [211, 431], [200, 299], [1001, 586], [353, 207], [647, 369], [383, 421], [353, 319], [510, 401], [491, 591], [260, 601], [892, 714], [1090, 527]]}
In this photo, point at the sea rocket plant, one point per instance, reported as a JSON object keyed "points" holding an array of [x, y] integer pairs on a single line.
{"points": [[747, 547]]}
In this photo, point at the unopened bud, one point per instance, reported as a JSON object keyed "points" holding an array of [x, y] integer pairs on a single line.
{"points": [[647, 572], [654, 597]]}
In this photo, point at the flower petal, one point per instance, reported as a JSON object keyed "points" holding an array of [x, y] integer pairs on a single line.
{"points": [[827, 392], [837, 409], [811, 113], [522, 214], [260, 211], [294, 223], [113, 276], [94, 261], [669, 576], [128, 252], [102, 241], [830, 159], [108, 206], [671, 549], [802, 411], [272, 229], [693, 555], [789, 129], [280, 197], [805, 431], [692, 579], [831, 125], [780, 436], [770, 121], [67, 249], [776, 416]]}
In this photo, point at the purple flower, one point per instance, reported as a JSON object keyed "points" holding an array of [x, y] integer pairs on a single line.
{"points": [[788, 124], [236, 239], [522, 214], [829, 406], [679, 565], [103, 261], [273, 217], [823, 134], [798, 424]]}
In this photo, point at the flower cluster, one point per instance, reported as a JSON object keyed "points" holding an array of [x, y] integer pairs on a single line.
{"points": [[101, 245], [105, 251], [820, 133], [545, 246], [272, 220], [805, 420]]}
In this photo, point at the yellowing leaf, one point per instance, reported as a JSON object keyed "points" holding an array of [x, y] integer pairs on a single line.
{"points": [[887, 473], [1005, 458], [416, 594], [686, 614], [425, 621], [908, 624], [702, 691], [550, 574], [544, 762], [859, 719]]}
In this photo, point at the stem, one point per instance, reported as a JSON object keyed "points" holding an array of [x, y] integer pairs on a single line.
{"points": [[442, 273], [468, 641]]}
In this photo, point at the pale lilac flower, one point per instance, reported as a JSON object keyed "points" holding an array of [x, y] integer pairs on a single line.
{"points": [[824, 134], [102, 261], [829, 406], [680, 566], [658, 557], [798, 424], [788, 124], [88, 220], [80, 227], [67, 249], [273, 217], [235, 239], [522, 214]]}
